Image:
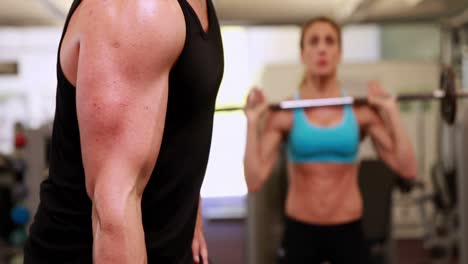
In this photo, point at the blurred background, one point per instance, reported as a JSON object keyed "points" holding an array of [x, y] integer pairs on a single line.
{"points": [[401, 43]]}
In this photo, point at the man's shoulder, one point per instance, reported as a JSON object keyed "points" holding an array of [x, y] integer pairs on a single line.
{"points": [[136, 26], [132, 15]]}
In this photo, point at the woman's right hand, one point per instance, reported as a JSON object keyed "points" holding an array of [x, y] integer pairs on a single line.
{"points": [[257, 105]]}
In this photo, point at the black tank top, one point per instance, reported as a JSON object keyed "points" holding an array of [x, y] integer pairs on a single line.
{"points": [[62, 230]]}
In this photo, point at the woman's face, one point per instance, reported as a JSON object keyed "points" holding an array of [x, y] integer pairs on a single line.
{"points": [[321, 52]]}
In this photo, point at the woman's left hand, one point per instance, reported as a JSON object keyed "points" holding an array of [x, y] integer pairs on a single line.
{"points": [[380, 98]]}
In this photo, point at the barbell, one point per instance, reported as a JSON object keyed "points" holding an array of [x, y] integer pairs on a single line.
{"points": [[447, 94]]}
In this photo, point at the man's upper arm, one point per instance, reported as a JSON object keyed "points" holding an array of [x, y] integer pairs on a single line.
{"points": [[121, 94]]}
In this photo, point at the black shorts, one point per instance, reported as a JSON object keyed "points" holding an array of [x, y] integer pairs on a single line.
{"points": [[305, 243]]}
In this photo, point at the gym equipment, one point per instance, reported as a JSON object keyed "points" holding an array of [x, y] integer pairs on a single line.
{"points": [[19, 167], [18, 237], [20, 215], [19, 192], [447, 94], [20, 140]]}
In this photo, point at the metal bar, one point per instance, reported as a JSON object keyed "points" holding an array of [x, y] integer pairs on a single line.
{"points": [[348, 100], [292, 104]]}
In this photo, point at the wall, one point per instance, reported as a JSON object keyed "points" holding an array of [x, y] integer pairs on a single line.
{"points": [[411, 42], [31, 93]]}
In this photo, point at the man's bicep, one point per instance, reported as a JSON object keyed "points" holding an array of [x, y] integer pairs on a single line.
{"points": [[121, 97], [124, 63]]}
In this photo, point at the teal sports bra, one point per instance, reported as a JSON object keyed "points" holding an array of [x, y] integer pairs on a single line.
{"points": [[313, 143]]}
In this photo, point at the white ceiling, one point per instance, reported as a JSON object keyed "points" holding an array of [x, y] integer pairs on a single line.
{"points": [[50, 12]]}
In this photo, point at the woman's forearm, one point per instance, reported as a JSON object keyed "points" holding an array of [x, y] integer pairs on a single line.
{"points": [[253, 165], [403, 147]]}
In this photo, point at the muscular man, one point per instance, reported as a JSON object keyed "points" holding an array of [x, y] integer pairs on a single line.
{"points": [[137, 83]]}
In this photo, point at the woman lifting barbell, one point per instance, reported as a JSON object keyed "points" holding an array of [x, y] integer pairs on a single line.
{"points": [[324, 205]]}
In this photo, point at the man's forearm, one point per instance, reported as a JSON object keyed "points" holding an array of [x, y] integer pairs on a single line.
{"points": [[199, 213], [119, 238]]}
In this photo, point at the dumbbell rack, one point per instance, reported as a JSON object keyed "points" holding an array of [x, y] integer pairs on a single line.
{"points": [[6, 181], [33, 154], [14, 193]]}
